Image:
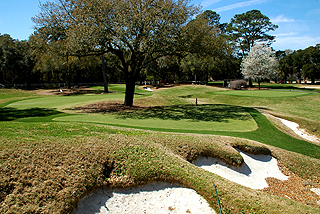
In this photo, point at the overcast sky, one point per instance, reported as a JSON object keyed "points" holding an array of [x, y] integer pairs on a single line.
{"points": [[298, 20]]}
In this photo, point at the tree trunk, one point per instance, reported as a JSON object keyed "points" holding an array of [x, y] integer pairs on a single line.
{"points": [[104, 74], [130, 87], [250, 82], [225, 83], [207, 77], [259, 84], [285, 78], [68, 73]]}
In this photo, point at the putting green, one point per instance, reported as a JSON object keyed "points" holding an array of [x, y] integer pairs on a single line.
{"points": [[184, 118], [64, 101], [261, 93]]}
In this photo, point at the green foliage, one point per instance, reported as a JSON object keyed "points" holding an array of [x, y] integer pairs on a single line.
{"points": [[302, 63], [248, 28], [136, 32], [16, 61]]}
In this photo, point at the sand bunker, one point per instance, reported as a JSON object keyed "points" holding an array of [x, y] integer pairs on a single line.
{"points": [[251, 174], [158, 197], [295, 127], [147, 89], [315, 190]]}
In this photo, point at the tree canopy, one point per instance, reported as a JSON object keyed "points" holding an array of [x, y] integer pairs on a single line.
{"points": [[136, 31], [248, 28]]}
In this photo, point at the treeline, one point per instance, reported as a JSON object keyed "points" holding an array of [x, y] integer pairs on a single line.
{"points": [[300, 65], [21, 62], [130, 41]]}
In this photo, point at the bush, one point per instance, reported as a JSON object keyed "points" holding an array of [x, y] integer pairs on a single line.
{"points": [[238, 84]]}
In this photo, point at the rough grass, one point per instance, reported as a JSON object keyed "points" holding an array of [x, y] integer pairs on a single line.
{"points": [[48, 166], [14, 94]]}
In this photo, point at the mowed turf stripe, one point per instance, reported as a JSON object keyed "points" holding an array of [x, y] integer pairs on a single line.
{"points": [[267, 133]]}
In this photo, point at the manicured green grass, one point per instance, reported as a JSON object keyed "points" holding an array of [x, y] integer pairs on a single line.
{"points": [[299, 87], [270, 135], [49, 164], [242, 127], [262, 93], [180, 118], [62, 102], [227, 120]]}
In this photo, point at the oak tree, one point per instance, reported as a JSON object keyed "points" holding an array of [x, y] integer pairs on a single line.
{"points": [[138, 32]]}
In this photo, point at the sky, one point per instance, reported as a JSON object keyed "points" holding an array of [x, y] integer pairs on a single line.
{"points": [[298, 20]]}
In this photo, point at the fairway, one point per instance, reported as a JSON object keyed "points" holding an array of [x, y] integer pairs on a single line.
{"points": [[183, 118], [59, 102]]}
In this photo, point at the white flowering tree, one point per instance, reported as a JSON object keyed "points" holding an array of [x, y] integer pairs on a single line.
{"points": [[261, 63]]}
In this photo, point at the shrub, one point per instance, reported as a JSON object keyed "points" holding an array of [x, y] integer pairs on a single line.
{"points": [[238, 84]]}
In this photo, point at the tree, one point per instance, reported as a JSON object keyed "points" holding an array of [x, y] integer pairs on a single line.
{"points": [[213, 19], [16, 61], [248, 28], [8, 57], [260, 63], [204, 43], [52, 57], [138, 32], [285, 64], [311, 59]]}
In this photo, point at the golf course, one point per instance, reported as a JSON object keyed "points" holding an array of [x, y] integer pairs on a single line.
{"points": [[57, 146]]}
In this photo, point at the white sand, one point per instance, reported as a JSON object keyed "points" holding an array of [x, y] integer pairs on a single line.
{"points": [[251, 174], [158, 197], [147, 89], [295, 127], [315, 190]]}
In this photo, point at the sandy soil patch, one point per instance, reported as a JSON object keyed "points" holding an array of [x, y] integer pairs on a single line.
{"points": [[311, 86], [158, 197]]}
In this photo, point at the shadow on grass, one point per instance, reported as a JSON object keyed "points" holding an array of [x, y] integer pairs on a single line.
{"points": [[207, 112], [9, 114]]}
